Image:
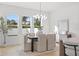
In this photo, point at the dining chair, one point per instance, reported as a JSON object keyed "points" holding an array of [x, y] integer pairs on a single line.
{"points": [[51, 41], [41, 43], [67, 48], [71, 47], [27, 43], [35, 41]]}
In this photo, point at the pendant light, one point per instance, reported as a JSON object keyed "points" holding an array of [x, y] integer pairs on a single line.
{"points": [[41, 15], [40, 11]]}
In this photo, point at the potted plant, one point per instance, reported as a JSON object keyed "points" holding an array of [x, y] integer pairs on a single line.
{"points": [[3, 29]]}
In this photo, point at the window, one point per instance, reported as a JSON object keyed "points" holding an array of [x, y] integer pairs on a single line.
{"points": [[37, 22], [12, 21], [12, 24], [31, 23], [26, 22]]}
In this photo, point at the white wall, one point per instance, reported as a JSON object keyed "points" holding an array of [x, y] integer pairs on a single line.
{"points": [[71, 13], [6, 10]]}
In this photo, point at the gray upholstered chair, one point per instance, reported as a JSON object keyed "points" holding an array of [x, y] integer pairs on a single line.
{"points": [[51, 41], [27, 44], [68, 49], [41, 43]]}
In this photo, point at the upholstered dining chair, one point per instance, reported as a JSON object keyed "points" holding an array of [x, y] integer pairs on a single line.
{"points": [[27, 43], [51, 41], [41, 43], [71, 47], [67, 49]]}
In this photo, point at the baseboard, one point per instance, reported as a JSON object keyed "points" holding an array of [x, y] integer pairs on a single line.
{"points": [[3, 46]]}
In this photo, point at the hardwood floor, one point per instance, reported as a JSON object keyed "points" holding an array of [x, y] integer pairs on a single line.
{"points": [[17, 50]]}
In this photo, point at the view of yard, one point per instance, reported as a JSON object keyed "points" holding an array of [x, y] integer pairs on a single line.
{"points": [[12, 23]]}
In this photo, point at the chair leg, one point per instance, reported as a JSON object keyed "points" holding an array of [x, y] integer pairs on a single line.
{"points": [[75, 51], [65, 52]]}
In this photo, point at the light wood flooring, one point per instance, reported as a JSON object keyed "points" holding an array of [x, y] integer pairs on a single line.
{"points": [[17, 50]]}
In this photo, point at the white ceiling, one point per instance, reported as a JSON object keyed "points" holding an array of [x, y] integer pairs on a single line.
{"points": [[45, 6]]}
